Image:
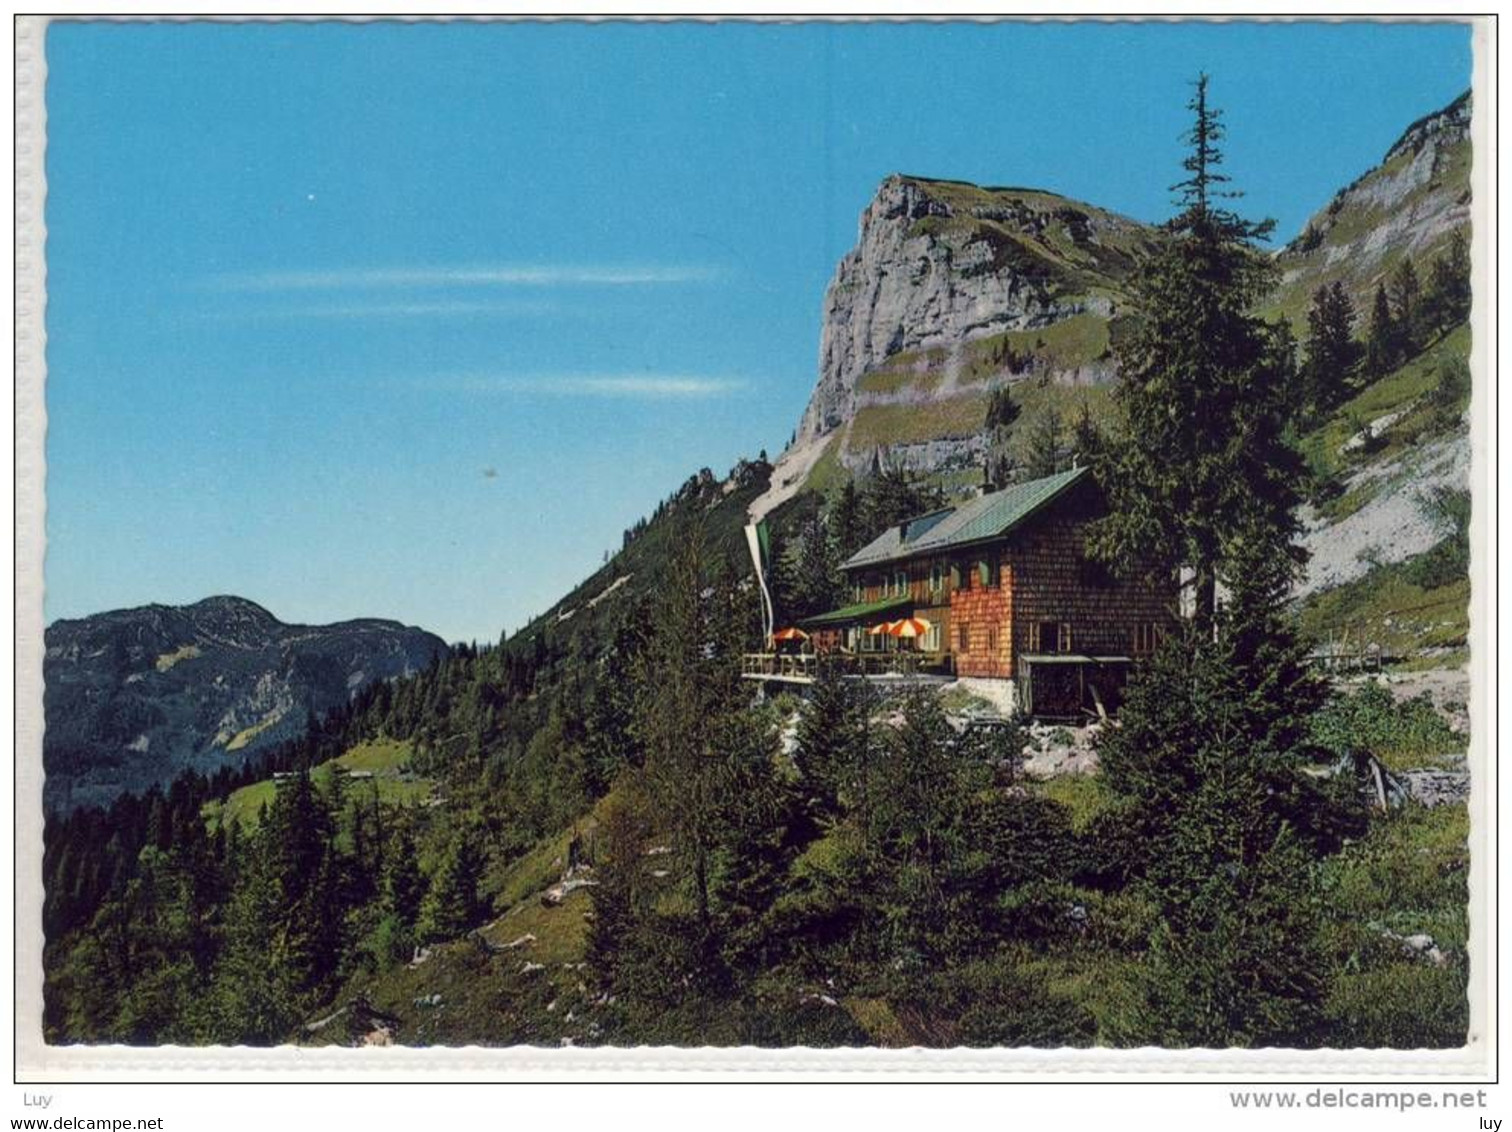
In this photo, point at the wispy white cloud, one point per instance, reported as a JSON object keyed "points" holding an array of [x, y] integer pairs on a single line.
{"points": [[442, 308], [499, 275], [641, 386]]}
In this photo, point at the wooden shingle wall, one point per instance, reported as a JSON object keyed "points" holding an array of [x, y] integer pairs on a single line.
{"points": [[1040, 574], [1054, 582], [985, 612]]}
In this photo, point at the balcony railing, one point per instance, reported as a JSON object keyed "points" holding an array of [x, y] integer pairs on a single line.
{"points": [[804, 667], [779, 666]]}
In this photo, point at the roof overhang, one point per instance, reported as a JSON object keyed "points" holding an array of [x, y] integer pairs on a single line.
{"points": [[1072, 658], [855, 614]]}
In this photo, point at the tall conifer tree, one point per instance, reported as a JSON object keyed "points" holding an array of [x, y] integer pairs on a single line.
{"points": [[1207, 392], [1209, 751], [1446, 300], [1330, 353], [1407, 307], [1383, 343]]}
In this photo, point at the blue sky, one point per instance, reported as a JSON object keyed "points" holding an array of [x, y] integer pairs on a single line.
{"points": [[413, 321]]}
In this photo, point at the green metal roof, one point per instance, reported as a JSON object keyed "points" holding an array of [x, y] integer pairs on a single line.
{"points": [[862, 612], [988, 516]]}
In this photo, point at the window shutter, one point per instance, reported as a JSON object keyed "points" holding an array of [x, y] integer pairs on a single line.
{"points": [[984, 573]]}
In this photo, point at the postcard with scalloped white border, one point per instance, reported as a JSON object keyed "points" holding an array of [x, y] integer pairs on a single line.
{"points": [[559, 546]]}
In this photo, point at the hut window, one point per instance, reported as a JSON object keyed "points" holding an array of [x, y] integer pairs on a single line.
{"points": [[900, 582], [931, 640], [1050, 636], [1146, 638], [936, 577], [955, 575], [984, 573]]}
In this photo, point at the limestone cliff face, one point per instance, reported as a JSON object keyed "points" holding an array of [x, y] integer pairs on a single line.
{"points": [[954, 290], [939, 264], [1409, 204]]}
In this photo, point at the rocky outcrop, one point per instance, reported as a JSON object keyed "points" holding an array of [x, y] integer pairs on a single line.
{"points": [[1393, 524], [940, 263], [1408, 204], [1436, 787], [1447, 127], [135, 696]]}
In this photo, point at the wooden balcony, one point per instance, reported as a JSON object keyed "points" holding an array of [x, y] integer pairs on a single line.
{"points": [[803, 668], [794, 668]]}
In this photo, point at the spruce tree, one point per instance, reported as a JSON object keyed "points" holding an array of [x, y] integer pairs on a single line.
{"points": [[921, 786], [256, 999], [1002, 409], [846, 521], [1045, 447], [761, 826], [684, 686], [608, 742], [453, 904], [1211, 756], [1383, 342], [832, 744], [403, 882], [1406, 307], [623, 899], [808, 574], [1330, 352], [1208, 757], [1207, 393], [1446, 300], [892, 495], [1087, 440], [1003, 412]]}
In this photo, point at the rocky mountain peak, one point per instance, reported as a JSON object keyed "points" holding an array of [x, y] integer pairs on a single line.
{"points": [[225, 615], [1448, 126], [902, 198], [946, 263]]}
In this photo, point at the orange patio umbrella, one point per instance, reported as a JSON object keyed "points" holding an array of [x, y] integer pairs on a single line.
{"points": [[793, 634], [910, 627], [879, 630]]}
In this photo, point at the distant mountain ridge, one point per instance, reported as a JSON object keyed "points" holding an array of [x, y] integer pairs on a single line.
{"points": [[135, 696]]}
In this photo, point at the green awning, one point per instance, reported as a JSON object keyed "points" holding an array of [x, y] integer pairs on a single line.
{"points": [[866, 611]]}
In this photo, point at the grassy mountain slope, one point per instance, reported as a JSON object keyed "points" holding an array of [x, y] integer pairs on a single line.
{"points": [[583, 619], [1378, 572], [522, 978], [384, 767]]}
